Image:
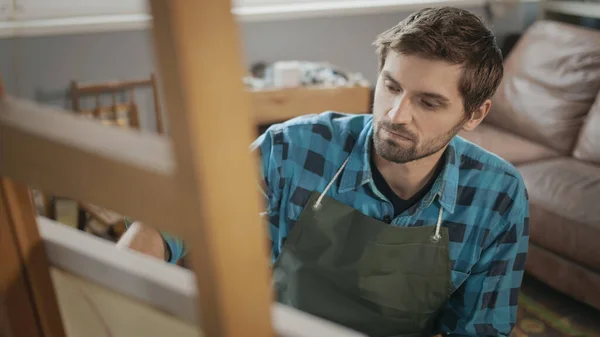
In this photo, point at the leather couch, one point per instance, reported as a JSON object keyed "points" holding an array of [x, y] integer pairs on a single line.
{"points": [[545, 120]]}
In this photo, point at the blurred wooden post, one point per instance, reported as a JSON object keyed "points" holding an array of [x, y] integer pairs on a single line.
{"points": [[35, 300], [18, 310], [200, 61]]}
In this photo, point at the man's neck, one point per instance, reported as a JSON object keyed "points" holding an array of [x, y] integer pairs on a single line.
{"points": [[408, 179]]}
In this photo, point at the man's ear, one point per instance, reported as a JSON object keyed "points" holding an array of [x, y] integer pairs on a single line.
{"points": [[477, 116]]}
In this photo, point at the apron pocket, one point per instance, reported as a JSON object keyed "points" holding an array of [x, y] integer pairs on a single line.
{"points": [[408, 277], [393, 322]]}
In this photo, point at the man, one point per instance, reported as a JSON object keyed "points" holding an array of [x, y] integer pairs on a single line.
{"points": [[390, 223]]}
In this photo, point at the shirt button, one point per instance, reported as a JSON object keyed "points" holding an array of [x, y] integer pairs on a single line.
{"points": [[387, 218]]}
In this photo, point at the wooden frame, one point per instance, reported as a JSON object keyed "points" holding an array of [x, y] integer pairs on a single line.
{"points": [[182, 185], [25, 286]]}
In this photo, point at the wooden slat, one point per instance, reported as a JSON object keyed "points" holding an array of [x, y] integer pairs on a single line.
{"points": [[209, 116], [271, 106], [57, 152], [20, 208], [98, 88], [16, 298]]}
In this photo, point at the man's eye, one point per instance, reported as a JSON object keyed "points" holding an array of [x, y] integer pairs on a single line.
{"points": [[428, 105], [392, 88]]}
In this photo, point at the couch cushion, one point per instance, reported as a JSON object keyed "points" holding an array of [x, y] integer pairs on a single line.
{"points": [[564, 212], [588, 145], [551, 79], [507, 145]]}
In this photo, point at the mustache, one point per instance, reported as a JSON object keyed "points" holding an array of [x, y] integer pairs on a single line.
{"points": [[398, 128]]}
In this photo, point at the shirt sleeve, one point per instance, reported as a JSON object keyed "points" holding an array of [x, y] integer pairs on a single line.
{"points": [[175, 245], [486, 303], [270, 147]]}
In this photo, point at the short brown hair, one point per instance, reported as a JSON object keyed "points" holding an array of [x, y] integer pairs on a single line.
{"points": [[453, 35]]}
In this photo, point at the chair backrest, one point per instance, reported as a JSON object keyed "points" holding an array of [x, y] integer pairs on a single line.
{"points": [[117, 113]]}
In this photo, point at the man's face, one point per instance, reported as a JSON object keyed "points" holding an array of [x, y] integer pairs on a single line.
{"points": [[417, 107]]}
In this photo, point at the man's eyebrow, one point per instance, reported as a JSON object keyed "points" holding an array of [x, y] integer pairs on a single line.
{"points": [[434, 95], [389, 77]]}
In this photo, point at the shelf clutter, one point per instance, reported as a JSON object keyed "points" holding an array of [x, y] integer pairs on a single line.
{"points": [[288, 89]]}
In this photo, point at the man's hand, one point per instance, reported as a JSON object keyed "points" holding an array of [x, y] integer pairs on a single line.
{"points": [[144, 239]]}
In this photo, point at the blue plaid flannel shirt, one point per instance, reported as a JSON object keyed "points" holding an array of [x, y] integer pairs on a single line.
{"points": [[484, 199]]}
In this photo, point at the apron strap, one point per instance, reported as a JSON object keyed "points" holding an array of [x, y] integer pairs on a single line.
{"points": [[318, 204], [436, 237]]}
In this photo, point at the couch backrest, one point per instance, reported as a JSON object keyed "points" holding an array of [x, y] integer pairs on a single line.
{"points": [[551, 79], [588, 145]]}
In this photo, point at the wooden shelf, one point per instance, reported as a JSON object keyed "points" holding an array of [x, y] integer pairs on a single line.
{"points": [[271, 106]]}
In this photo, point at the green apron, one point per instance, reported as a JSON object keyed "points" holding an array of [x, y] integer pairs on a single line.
{"points": [[348, 268]]}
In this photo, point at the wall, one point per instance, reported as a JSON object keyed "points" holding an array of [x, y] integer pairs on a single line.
{"points": [[41, 68]]}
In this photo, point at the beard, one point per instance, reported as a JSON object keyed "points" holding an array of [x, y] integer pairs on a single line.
{"points": [[409, 149]]}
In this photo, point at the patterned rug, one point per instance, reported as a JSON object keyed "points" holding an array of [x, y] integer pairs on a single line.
{"points": [[544, 312]]}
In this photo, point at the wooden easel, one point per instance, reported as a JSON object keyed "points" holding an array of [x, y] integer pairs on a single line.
{"points": [[171, 184]]}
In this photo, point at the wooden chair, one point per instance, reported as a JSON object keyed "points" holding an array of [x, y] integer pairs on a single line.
{"points": [[116, 113]]}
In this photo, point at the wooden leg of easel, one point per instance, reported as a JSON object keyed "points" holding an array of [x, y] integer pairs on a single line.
{"points": [[18, 310], [26, 287], [212, 128]]}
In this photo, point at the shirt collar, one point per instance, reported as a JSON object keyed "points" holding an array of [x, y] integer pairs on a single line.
{"points": [[358, 171]]}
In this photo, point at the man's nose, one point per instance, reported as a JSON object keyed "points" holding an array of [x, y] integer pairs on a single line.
{"points": [[401, 112]]}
